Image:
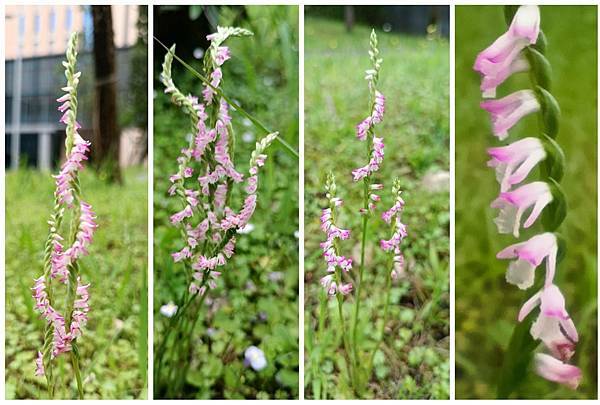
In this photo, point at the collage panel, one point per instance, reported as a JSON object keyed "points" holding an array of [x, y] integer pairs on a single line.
{"points": [[445, 159], [76, 202], [226, 202], [526, 235], [376, 194]]}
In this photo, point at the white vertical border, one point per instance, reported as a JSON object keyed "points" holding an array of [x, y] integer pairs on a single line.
{"points": [[150, 159], [301, 200], [452, 202], [597, 186], [2, 195]]}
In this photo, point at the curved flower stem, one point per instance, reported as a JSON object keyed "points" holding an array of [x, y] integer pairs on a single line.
{"points": [[388, 290]]}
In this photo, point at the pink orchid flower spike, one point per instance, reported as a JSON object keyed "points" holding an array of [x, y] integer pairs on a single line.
{"points": [[553, 326], [504, 57], [514, 162], [529, 255], [555, 370], [513, 204], [506, 112]]}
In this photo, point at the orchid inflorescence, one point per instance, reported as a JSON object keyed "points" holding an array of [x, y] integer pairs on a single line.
{"points": [[207, 222], [204, 183], [61, 266], [522, 49], [338, 266]]}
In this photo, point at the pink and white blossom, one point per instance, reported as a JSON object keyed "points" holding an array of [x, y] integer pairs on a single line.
{"points": [[508, 111], [529, 255], [374, 163], [553, 326], [504, 57], [513, 204], [556, 371], [515, 161]]}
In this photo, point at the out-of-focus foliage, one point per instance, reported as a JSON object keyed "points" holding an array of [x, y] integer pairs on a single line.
{"points": [[486, 306], [114, 343], [413, 359], [256, 302]]}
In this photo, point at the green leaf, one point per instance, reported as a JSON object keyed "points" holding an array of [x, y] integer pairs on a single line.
{"points": [[541, 71], [550, 111], [541, 43], [517, 358], [194, 12], [555, 212], [554, 163], [509, 13], [288, 378]]}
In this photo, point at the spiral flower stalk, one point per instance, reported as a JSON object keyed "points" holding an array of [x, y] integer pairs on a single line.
{"points": [[61, 266], [203, 184], [338, 281], [522, 49]]}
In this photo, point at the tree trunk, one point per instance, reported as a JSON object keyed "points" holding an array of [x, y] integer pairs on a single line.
{"points": [[349, 17], [105, 112]]}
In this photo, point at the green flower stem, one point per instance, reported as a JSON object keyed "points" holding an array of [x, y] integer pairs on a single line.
{"points": [[365, 223], [388, 290], [75, 362], [347, 354], [239, 109]]}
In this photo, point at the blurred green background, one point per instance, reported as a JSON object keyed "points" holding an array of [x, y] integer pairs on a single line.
{"points": [[486, 306], [413, 360], [114, 343], [256, 302]]}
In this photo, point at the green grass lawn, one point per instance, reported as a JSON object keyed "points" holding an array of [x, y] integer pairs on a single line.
{"points": [[486, 306], [114, 344], [413, 361], [256, 302]]}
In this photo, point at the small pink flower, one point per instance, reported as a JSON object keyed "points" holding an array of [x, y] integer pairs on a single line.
{"points": [[553, 326], [378, 108], [555, 370], [508, 111], [503, 57], [529, 255], [181, 255], [39, 365], [513, 204], [69, 169], [363, 127], [222, 54], [208, 92], [374, 163], [514, 162], [179, 216]]}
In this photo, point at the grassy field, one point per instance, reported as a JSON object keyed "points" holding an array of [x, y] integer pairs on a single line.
{"points": [[413, 360], [256, 302], [114, 345], [486, 306]]}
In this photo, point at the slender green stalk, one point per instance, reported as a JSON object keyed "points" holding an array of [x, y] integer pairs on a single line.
{"points": [[77, 372], [363, 243], [388, 290], [340, 302]]}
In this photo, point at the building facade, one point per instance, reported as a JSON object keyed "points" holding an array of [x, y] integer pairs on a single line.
{"points": [[36, 39]]}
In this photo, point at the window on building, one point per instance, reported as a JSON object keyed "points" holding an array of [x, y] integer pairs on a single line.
{"points": [[28, 150]]}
